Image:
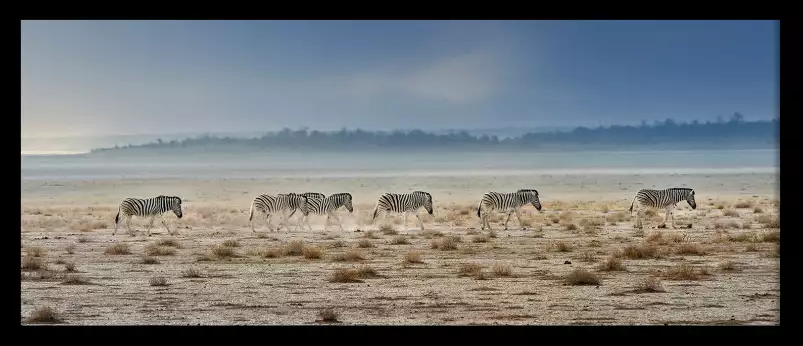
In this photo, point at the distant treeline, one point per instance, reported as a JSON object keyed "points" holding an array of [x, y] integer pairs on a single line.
{"points": [[732, 133]]}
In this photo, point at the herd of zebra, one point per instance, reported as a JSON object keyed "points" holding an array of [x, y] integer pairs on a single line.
{"points": [[319, 204]]}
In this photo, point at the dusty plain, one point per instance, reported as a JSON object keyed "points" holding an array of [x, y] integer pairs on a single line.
{"points": [[578, 261]]}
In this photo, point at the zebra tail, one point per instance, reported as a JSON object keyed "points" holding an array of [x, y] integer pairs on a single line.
{"points": [[631, 205], [117, 218], [376, 210], [251, 213], [479, 206]]}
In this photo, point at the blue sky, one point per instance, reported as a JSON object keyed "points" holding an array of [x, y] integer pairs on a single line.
{"points": [[141, 77]]}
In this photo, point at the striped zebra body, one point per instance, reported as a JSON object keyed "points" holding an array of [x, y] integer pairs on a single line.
{"points": [[147, 207], [508, 203], [403, 203], [305, 194], [661, 199], [270, 204], [328, 206]]}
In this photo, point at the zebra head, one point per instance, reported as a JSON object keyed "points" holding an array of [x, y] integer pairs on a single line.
{"points": [[690, 199], [427, 201], [175, 206], [532, 197], [300, 202], [347, 202]]}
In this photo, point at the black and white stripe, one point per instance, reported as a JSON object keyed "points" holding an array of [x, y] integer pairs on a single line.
{"points": [[403, 203], [661, 199], [147, 207], [328, 206], [507, 203], [305, 194], [270, 204]]}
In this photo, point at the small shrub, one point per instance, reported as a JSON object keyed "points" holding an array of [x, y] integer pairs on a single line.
{"points": [[43, 314], [689, 249], [501, 269], [149, 260], [471, 269], [171, 242], [744, 204], [337, 244], [191, 273], [445, 244], [684, 271], [312, 252], [35, 252], [388, 230], [70, 249], [271, 253], [413, 257], [758, 210], [327, 315], [730, 213], [231, 243], [351, 255], [222, 251], [69, 266], [751, 248], [571, 227], [370, 235], [344, 275], [588, 257], [364, 243], [118, 249], [728, 266], [74, 280], [32, 263], [479, 239], [157, 250], [643, 251], [294, 248], [399, 240], [158, 281], [366, 272], [562, 247], [768, 221], [581, 276], [612, 264], [650, 285], [773, 236]]}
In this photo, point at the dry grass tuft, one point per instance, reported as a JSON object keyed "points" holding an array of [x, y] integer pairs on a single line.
{"points": [[768, 221], [312, 252], [413, 257], [479, 239], [617, 217], [43, 314], [158, 281], [728, 266], [445, 244], [501, 269], [35, 251], [399, 240], [327, 315], [231, 243], [656, 237], [191, 273], [69, 267], [612, 264], [221, 251], [690, 249], [771, 237], [75, 280], [588, 257], [581, 276], [32, 263], [743, 238], [337, 244], [364, 243], [643, 251], [351, 255], [294, 248], [492, 234], [562, 247], [82, 239], [571, 227], [370, 235], [69, 249], [751, 247], [149, 260], [650, 285], [344, 275], [366, 272], [271, 253], [157, 250], [429, 234], [758, 210], [471, 269], [730, 213], [171, 242], [388, 230], [118, 249], [685, 271], [679, 238]]}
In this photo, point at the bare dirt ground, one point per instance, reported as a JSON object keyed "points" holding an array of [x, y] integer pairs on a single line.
{"points": [[578, 261]]}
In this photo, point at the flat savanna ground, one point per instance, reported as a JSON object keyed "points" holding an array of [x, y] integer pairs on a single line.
{"points": [[578, 261]]}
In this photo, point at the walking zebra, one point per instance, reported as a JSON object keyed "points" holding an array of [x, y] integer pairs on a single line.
{"points": [[403, 203], [506, 202], [269, 204], [662, 199], [143, 207], [328, 206], [305, 194]]}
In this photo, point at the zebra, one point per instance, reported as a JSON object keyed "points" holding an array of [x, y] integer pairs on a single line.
{"points": [[506, 202], [150, 207], [305, 194], [269, 204], [662, 199], [328, 206], [403, 203]]}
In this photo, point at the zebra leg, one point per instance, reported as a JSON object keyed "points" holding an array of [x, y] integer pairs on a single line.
{"points": [[672, 216], [405, 221], [267, 219], [421, 222], [326, 223], [666, 217], [509, 214], [165, 224], [518, 216], [338, 221], [128, 224], [638, 219], [150, 224]]}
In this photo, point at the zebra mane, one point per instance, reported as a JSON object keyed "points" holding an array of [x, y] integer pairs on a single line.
{"points": [[170, 197], [681, 189], [339, 194], [528, 190], [423, 192]]}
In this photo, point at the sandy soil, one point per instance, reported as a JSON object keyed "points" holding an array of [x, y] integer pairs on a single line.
{"points": [[579, 260]]}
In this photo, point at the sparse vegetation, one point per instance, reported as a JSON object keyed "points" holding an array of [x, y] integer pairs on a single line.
{"points": [[479, 239], [364, 243], [588, 257], [172, 243], [35, 251], [43, 314], [158, 281], [388, 229], [769, 221], [473, 270], [730, 213], [650, 285], [413, 257], [294, 248], [149, 260], [366, 272], [271, 253], [118, 249], [231, 243], [32, 263], [345, 275], [191, 272], [744, 204], [312, 252], [69, 249], [445, 244], [643, 251], [69, 266], [327, 315], [73, 279], [399, 240], [728, 266], [581, 276], [370, 235], [157, 250], [771, 237], [351, 255], [501, 269], [685, 271], [612, 264], [758, 210], [223, 252], [689, 249], [562, 247]]}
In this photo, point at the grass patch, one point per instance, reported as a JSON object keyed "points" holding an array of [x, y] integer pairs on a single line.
{"points": [[445, 244], [650, 285], [399, 240], [312, 252], [231, 243], [294, 248], [690, 249], [149, 260], [501, 269], [730, 213], [562, 247], [351, 255], [69, 266], [471, 269], [728, 266], [388, 230], [327, 315], [364, 244], [169, 242], [643, 251], [479, 239], [771, 237], [118, 249], [158, 281], [580, 277], [158, 250], [191, 273], [223, 252], [685, 272], [43, 314], [32, 263], [612, 264], [413, 257], [75, 280], [345, 275]]}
